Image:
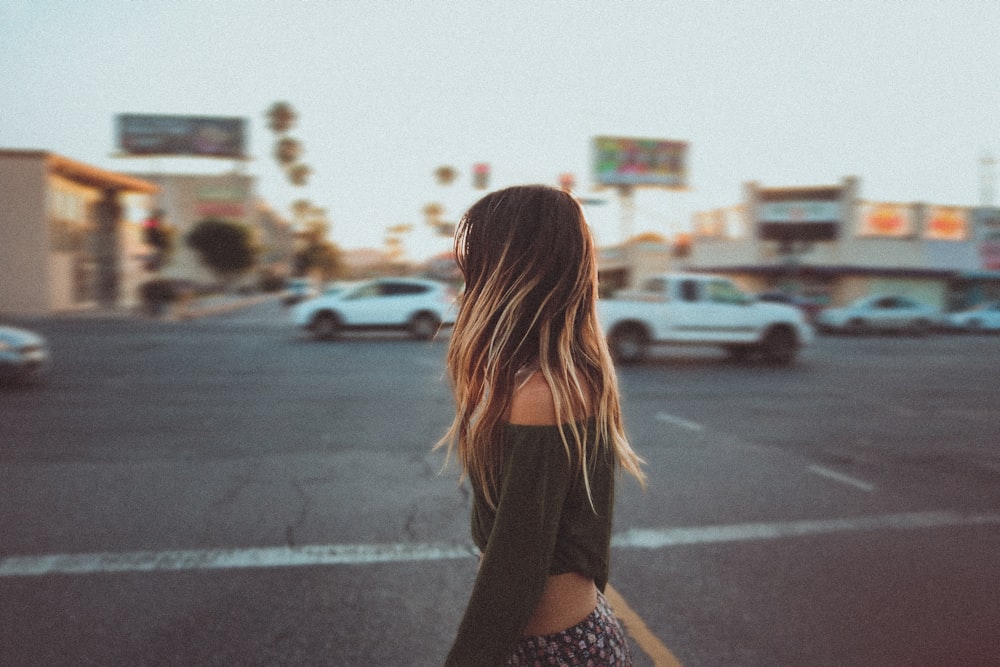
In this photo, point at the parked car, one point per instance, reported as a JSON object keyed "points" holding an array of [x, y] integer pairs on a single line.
{"points": [[24, 355], [881, 313], [984, 317], [298, 289], [415, 305], [809, 307]]}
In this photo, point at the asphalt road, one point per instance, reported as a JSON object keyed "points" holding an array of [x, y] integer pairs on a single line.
{"points": [[223, 491]]}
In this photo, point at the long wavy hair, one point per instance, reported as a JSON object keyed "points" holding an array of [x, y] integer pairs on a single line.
{"points": [[530, 301]]}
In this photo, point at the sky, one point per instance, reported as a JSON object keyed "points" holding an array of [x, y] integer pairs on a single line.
{"points": [[903, 95]]}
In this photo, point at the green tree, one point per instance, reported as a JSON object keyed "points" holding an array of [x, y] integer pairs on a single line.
{"points": [[317, 254], [281, 118], [229, 249]]}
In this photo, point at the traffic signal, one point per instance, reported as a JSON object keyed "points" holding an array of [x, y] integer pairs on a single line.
{"points": [[153, 232], [481, 175]]}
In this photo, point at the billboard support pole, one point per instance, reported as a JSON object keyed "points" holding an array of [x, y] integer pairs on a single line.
{"points": [[626, 202], [626, 199]]}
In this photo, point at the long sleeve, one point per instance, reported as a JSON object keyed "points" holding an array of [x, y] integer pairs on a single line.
{"points": [[534, 482]]}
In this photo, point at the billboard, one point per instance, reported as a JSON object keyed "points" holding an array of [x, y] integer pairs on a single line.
{"points": [[946, 223], [627, 161], [199, 136], [880, 220], [799, 214]]}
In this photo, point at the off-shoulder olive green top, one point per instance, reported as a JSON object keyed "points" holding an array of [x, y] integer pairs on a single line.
{"points": [[544, 524]]}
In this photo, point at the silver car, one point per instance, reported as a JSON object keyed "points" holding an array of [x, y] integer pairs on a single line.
{"points": [[24, 355], [881, 313], [984, 317]]}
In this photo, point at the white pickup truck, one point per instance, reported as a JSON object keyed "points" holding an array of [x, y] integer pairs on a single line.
{"points": [[696, 309]]}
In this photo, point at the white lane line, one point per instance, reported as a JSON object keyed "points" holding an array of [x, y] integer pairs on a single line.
{"points": [[367, 554], [839, 477], [677, 421], [672, 537], [211, 559]]}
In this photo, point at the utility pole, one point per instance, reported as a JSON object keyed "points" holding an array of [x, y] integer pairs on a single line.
{"points": [[987, 180]]}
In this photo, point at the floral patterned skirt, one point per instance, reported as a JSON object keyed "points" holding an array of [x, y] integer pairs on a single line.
{"points": [[596, 641]]}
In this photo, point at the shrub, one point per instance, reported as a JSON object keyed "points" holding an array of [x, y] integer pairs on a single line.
{"points": [[160, 290]]}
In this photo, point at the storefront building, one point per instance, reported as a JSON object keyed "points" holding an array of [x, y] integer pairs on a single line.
{"points": [[631, 263], [67, 244], [187, 199], [828, 243]]}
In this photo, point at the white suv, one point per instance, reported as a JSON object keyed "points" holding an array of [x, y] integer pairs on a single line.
{"points": [[420, 307]]}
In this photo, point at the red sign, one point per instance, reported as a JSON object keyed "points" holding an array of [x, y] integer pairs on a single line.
{"points": [[885, 220], [946, 224], [221, 209]]}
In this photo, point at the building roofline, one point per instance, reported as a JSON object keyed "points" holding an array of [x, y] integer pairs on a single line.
{"points": [[83, 173]]}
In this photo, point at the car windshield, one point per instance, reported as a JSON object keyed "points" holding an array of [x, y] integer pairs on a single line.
{"points": [[364, 292], [722, 291]]}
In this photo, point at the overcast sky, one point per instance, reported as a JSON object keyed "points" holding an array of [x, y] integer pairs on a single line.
{"points": [[905, 95]]}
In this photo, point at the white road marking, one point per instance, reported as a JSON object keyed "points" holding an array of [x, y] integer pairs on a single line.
{"points": [[677, 421], [366, 554], [745, 532], [221, 559], [839, 477]]}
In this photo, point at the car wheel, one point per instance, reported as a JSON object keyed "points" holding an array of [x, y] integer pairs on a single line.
{"points": [[857, 326], [779, 346], [628, 344], [739, 353], [325, 326], [423, 326]]}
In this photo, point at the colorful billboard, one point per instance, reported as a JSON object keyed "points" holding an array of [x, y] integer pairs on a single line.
{"points": [[626, 161], [199, 136]]}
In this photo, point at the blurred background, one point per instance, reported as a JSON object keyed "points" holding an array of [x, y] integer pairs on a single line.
{"points": [[374, 126]]}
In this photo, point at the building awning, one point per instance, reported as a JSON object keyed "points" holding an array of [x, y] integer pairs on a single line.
{"points": [[830, 271], [979, 275], [85, 174]]}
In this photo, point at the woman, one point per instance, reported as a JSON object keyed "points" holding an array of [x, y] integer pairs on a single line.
{"points": [[538, 431]]}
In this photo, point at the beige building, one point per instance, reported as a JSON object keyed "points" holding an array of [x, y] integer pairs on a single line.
{"points": [[828, 243], [631, 263], [67, 243], [187, 199]]}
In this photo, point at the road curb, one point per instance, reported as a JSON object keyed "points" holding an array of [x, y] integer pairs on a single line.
{"points": [[196, 310]]}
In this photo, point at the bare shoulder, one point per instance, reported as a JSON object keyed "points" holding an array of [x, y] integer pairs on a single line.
{"points": [[533, 404]]}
